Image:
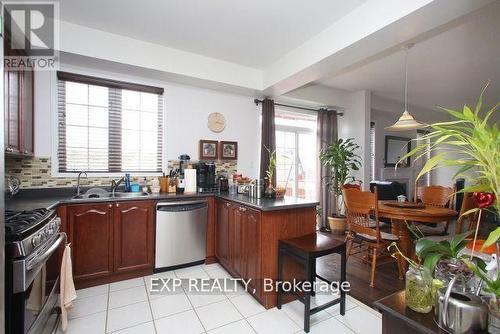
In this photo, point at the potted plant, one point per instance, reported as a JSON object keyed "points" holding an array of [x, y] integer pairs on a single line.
{"points": [[340, 158], [271, 167], [445, 259], [419, 284], [470, 142]]}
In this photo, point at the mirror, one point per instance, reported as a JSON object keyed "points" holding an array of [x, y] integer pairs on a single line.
{"points": [[395, 148]]}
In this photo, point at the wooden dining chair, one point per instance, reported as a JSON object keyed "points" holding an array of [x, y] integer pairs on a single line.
{"points": [[467, 222], [434, 196], [360, 207]]}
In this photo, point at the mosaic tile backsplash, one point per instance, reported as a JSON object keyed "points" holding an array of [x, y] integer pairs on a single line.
{"points": [[36, 173]]}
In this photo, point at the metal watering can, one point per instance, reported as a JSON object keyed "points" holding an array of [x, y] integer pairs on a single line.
{"points": [[460, 312]]}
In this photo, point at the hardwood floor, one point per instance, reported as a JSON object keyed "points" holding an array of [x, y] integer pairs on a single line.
{"points": [[358, 274]]}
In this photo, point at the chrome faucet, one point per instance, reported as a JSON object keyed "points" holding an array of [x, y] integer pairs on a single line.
{"points": [[78, 182], [115, 184]]}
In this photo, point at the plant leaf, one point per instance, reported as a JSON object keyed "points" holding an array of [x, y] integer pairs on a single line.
{"points": [[492, 238]]}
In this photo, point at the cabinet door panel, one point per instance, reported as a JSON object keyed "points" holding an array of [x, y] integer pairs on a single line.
{"points": [[12, 112], [236, 241], [222, 232], [26, 108], [133, 235], [91, 235], [251, 250]]}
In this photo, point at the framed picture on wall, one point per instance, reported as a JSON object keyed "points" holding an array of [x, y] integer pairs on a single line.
{"points": [[209, 149], [228, 150]]}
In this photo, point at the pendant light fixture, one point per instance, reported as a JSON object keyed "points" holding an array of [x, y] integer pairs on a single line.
{"points": [[406, 121]]}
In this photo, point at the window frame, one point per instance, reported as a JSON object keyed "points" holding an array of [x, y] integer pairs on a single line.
{"points": [[110, 83]]}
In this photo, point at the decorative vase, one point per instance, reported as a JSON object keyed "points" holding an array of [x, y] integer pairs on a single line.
{"points": [[447, 268], [337, 224], [269, 192], [418, 292]]}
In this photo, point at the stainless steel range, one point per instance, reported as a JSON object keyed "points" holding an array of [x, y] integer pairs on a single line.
{"points": [[33, 245]]}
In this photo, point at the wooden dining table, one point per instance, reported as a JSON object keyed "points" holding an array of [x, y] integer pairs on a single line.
{"points": [[402, 217]]}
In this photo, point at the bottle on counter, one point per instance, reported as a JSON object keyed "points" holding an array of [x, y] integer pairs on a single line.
{"points": [[127, 182], [180, 185], [145, 186]]}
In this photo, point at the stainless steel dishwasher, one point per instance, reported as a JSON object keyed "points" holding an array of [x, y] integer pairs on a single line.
{"points": [[181, 234]]}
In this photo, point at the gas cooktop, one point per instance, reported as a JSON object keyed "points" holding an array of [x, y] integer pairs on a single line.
{"points": [[18, 225]]}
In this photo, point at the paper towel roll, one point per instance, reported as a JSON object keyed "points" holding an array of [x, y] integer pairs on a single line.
{"points": [[189, 180]]}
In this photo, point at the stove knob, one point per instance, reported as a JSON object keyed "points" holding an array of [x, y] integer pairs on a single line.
{"points": [[58, 221], [36, 240]]}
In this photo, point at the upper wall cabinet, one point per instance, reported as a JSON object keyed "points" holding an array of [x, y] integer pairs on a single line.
{"points": [[19, 111]]}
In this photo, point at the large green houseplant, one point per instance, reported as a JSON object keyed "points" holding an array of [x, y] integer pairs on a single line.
{"points": [[340, 158], [469, 142]]}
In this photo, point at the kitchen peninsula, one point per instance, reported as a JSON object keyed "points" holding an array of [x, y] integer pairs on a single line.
{"points": [[113, 237]]}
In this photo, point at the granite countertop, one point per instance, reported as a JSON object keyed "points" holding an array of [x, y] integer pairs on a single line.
{"points": [[51, 198]]}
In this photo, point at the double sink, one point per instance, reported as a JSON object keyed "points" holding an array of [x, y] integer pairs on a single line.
{"points": [[101, 193]]}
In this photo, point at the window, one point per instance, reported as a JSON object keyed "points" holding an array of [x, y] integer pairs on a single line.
{"points": [[108, 126], [296, 153], [372, 151]]}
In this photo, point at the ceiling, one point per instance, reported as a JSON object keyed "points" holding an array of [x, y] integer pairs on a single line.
{"points": [[251, 33], [448, 69]]}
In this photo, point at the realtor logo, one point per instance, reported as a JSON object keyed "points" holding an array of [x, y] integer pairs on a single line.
{"points": [[31, 34]]}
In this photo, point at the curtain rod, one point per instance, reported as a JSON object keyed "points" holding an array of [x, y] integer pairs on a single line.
{"points": [[257, 101]]}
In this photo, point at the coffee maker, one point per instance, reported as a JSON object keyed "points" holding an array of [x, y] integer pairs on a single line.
{"points": [[205, 177]]}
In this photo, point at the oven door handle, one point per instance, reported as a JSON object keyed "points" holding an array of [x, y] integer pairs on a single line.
{"points": [[47, 253]]}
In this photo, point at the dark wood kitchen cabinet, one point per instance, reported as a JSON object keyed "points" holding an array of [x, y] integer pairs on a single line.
{"points": [[90, 231], [19, 112], [133, 235], [224, 210], [238, 241], [111, 241]]}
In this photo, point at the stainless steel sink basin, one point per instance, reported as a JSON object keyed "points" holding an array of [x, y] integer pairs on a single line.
{"points": [[110, 195], [121, 195]]}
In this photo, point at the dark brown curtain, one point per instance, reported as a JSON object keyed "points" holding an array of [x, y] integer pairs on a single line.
{"points": [[268, 137], [326, 133]]}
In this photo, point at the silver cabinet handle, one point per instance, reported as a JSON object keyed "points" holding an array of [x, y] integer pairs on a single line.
{"points": [[117, 205], [242, 209], [228, 205], [110, 205], [25, 152]]}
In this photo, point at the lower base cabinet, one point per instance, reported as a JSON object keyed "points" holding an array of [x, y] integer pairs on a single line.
{"points": [[237, 242], [112, 240]]}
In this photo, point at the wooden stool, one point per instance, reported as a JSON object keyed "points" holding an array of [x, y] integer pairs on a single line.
{"points": [[306, 250]]}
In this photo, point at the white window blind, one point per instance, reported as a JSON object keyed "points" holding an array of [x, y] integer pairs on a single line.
{"points": [[108, 126]]}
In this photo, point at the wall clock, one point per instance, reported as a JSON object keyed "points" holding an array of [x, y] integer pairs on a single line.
{"points": [[216, 122]]}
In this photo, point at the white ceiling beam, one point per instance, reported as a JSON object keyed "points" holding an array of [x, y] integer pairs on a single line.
{"points": [[369, 30], [80, 40]]}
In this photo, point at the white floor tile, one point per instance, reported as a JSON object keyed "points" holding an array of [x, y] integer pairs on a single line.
{"points": [[247, 305], [237, 290], [218, 273], [199, 300], [200, 273], [128, 316], [218, 314], [185, 323], [370, 323], [89, 305], [184, 272], [273, 321], [238, 327], [146, 328], [329, 326], [295, 310], [321, 299], [95, 323], [93, 291], [168, 305], [212, 266], [130, 283], [126, 297]]}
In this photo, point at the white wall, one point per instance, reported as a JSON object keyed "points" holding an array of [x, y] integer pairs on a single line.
{"points": [[186, 112]]}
